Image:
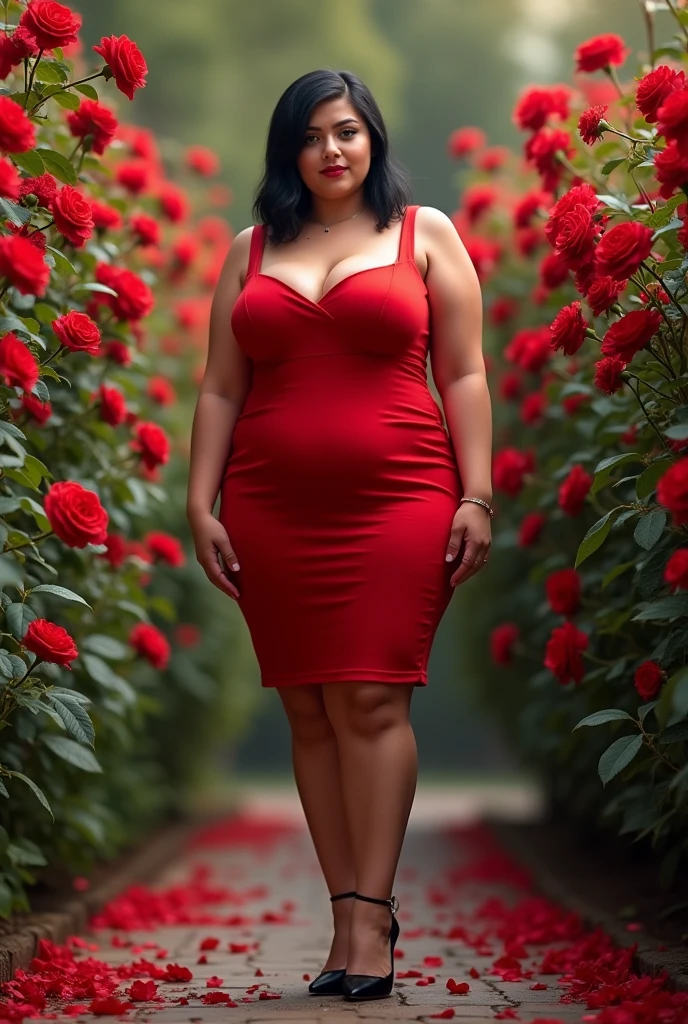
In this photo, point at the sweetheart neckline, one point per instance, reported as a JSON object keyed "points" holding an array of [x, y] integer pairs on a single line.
{"points": [[318, 304]]}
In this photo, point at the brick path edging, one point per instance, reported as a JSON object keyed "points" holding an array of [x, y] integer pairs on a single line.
{"points": [[673, 960], [70, 911]]}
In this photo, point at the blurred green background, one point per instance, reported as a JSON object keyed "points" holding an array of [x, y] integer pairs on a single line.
{"points": [[216, 70]]}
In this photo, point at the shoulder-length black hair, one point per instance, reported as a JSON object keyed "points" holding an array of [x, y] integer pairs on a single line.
{"points": [[282, 201]]}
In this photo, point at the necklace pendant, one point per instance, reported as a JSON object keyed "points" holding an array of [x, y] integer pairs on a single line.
{"points": [[326, 229]]}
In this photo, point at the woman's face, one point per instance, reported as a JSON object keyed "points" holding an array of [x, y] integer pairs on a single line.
{"points": [[336, 135]]}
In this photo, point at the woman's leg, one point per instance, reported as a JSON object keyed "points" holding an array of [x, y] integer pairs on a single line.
{"points": [[316, 771], [379, 767]]}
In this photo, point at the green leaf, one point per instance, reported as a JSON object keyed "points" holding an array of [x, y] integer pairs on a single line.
{"points": [[93, 286], [664, 609], [17, 617], [617, 756], [19, 215], [617, 570], [67, 100], [678, 432], [72, 752], [611, 164], [51, 588], [601, 717], [30, 162], [106, 646], [645, 709], [59, 165], [596, 536], [35, 789], [49, 73], [101, 672], [649, 528], [679, 692], [664, 214], [615, 203], [62, 264], [604, 468], [676, 733], [87, 90], [647, 481], [76, 720]]}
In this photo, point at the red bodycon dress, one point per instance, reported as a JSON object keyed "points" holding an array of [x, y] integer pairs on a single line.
{"points": [[341, 483]]}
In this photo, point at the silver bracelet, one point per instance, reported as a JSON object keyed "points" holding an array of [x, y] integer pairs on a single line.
{"points": [[480, 501]]}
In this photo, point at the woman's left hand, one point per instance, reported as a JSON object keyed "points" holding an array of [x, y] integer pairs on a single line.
{"points": [[472, 525]]}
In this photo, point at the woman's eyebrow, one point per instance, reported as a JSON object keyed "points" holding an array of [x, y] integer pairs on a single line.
{"points": [[312, 127]]}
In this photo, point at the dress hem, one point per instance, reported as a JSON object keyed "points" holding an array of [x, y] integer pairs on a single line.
{"points": [[418, 678]]}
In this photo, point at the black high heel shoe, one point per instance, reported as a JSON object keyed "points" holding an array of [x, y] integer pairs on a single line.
{"points": [[373, 986], [329, 983]]}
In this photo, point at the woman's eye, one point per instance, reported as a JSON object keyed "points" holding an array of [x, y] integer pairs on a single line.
{"points": [[353, 131]]}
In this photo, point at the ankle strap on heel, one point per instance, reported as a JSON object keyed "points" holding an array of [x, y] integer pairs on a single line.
{"points": [[392, 903], [342, 895]]}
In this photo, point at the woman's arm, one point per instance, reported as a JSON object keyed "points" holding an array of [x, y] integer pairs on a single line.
{"points": [[456, 354], [224, 387]]}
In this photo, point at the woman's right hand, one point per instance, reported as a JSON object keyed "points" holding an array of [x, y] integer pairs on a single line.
{"points": [[210, 540]]}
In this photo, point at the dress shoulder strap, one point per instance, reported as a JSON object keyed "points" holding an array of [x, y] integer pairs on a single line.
{"points": [[255, 254], [407, 241]]}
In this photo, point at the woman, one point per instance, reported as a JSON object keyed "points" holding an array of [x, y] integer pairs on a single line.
{"points": [[345, 500]]}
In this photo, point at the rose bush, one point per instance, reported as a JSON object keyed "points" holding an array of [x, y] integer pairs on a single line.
{"points": [[581, 249], [105, 696]]}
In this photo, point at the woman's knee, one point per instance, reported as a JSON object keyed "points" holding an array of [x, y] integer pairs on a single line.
{"points": [[306, 712], [367, 709]]}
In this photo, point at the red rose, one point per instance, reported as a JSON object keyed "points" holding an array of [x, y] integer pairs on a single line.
{"points": [[37, 410], [145, 229], [502, 640], [531, 527], [533, 407], [599, 52], [671, 168], [165, 547], [125, 61], [465, 140], [572, 403], [153, 444], [528, 206], [10, 182], [17, 133], [150, 643], [93, 118], [510, 385], [608, 374], [44, 188], [573, 491], [676, 570], [174, 202], [563, 654], [576, 237], [134, 175], [24, 265], [18, 365], [116, 549], [50, 642], [631, 333], [73, 215], [672, 491], [14, 48], [648, 679], [541, 150], [75, 514], [654, 88], [672, 118], [563, 589], [78, 332], [51, 24], [134, 298], [603, 293], [579, 195], [493, 159], [622, 249], [553, 270], [590, 126], [537, 103], [113, 405], [105, 216], [202, 160], [509, 467], [568, 329], [476, 199]]}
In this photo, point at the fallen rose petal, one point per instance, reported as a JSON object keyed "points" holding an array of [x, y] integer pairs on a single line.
{"points": [[270, 995], [214, 982], [433, 961], [209, 943], [444, 1014]]}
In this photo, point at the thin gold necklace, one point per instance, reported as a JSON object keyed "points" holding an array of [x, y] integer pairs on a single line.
{"points": [[326, 227]]}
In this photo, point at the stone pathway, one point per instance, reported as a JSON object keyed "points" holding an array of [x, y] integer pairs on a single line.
{"points": [[281, 926]]}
